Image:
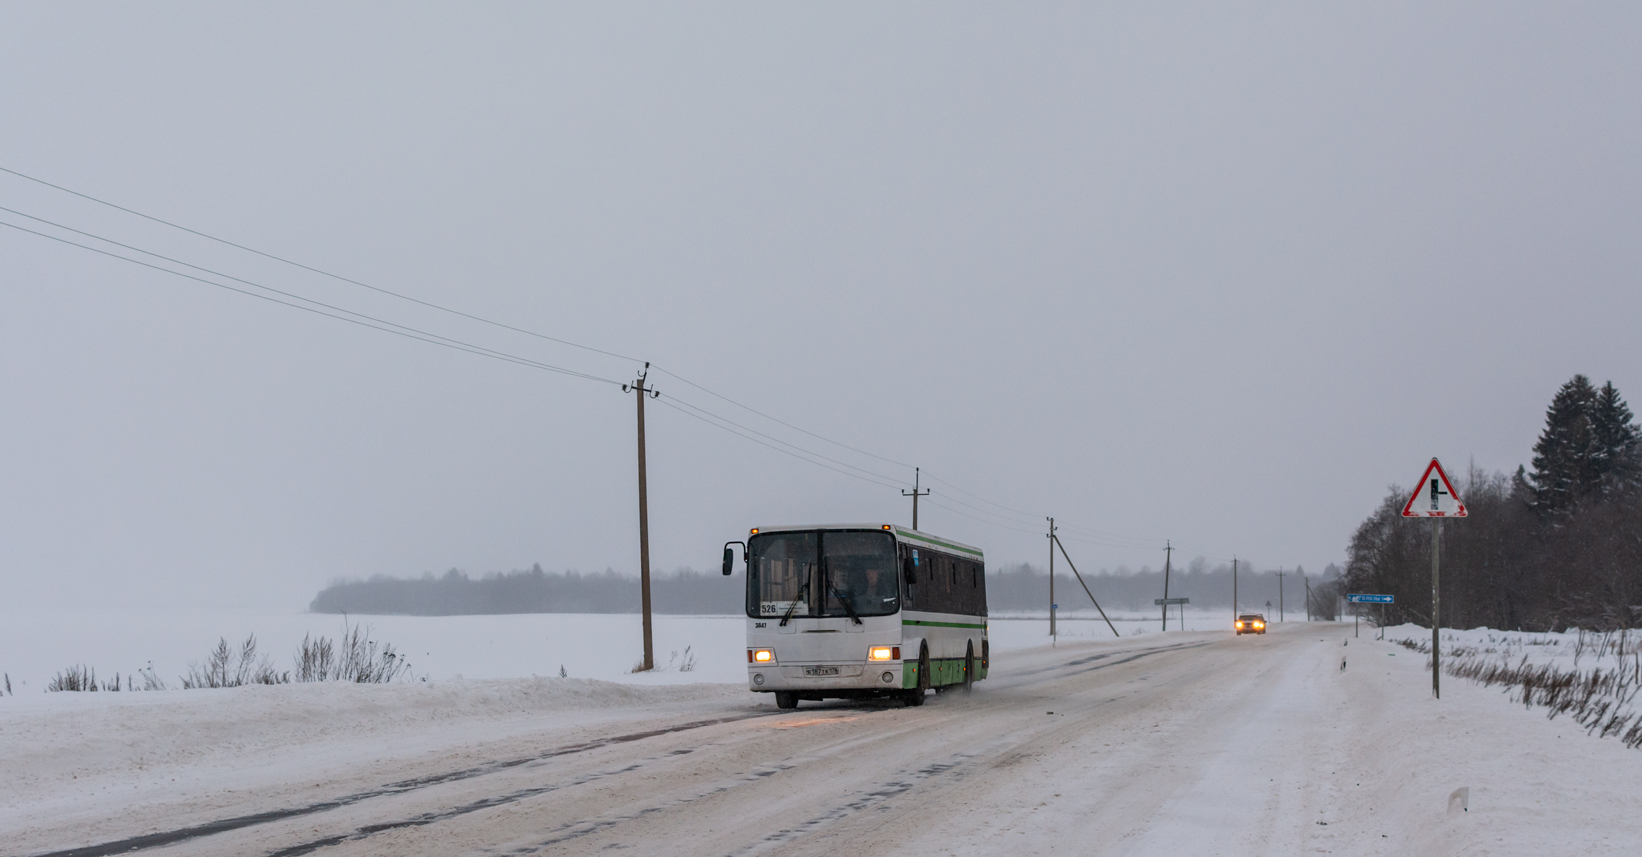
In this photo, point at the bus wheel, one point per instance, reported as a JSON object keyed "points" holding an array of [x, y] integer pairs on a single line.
{"points": [[786, 699], [969, 669], [915, 696]]}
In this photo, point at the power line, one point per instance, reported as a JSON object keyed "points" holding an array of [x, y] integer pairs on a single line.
{"points": [[418, 301], [320, 271], [681, 378], [785, 443], [360, 318], [983, 499], [376, 323], [983, 520], [472, 348], [283, 293], [985, 511], [665, 402]]}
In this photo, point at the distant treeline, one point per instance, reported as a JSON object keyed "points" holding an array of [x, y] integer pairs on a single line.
{"points": [[534, 591], [1544, 549], [1010, 589], [1026, 588]]}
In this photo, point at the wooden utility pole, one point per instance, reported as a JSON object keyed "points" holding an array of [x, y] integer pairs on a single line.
{"points": [[1308, 595], [640, 391], [1234, 589], [915, 494], [1168, 554], [1280, 594], [1052, 639]]}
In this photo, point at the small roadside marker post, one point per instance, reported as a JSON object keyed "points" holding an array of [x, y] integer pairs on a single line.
{"points": [[1434, 497]]}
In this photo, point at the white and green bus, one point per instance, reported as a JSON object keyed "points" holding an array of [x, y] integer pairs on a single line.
{"points": [[861, 610]]}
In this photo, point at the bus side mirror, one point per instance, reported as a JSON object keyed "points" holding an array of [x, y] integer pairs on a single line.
{"points": [[729, 556], [909, 569]]}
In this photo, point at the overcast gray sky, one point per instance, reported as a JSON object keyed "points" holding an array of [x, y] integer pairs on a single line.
{"points": [[1213, 274]]}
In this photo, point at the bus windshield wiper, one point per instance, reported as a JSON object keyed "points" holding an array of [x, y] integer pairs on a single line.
{"points": [[826, 580], [848, 607], [793, 604]]}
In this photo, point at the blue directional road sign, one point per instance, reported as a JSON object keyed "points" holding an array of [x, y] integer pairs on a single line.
{"points": [[1358, 598]]}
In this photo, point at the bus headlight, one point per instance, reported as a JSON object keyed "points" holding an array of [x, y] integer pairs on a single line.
{"points": [[761, 656], [883, 653]]}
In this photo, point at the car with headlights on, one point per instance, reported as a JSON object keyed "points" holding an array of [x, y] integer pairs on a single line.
{"points": [[1251, 623]]}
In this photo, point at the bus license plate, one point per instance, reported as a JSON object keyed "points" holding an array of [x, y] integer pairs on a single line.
{"points": [[820, 671]]}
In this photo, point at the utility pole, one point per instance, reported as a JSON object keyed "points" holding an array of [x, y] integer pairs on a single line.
{"points": [[1280, 594], [914, 494], [1234, 589], [1168, 553], [1052, 638], [640, 391], [1307, 582]]}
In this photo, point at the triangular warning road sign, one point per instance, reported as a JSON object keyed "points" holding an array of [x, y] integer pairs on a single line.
{"points": [[1434, 496]]}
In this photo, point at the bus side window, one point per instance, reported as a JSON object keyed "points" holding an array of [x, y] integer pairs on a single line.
{"points": [[940, 591], [909, 576]]}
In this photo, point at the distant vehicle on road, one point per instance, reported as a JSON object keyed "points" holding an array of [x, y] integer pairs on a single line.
{"points": [[1251, 623], [862, 610]]}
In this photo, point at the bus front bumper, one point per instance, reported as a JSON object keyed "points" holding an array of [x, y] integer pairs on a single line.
{"points": [[808, 678]]}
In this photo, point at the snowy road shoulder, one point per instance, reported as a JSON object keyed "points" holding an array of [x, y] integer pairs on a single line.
{"points": [[106, 764]]}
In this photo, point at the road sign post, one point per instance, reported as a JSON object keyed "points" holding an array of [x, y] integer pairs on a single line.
{"points": [[1165, 603], [1359, 598], [1434, 497]]}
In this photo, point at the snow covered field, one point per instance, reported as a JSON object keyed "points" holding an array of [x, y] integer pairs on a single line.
{"points": [[35, 646], [1186, 743]]}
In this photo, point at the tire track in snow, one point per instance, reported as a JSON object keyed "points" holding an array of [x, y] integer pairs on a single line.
{"points": [[1137, 655], [880, 794], [172, 837]]}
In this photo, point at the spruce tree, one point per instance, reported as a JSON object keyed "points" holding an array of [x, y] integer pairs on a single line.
{"points": [[1617, 443], [1564, 470]]}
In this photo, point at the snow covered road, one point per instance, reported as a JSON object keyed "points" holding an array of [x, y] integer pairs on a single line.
{"points": [[1185, 743]]}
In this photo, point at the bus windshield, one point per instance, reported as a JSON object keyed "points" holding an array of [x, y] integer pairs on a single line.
{"points": [[845, 571]]}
